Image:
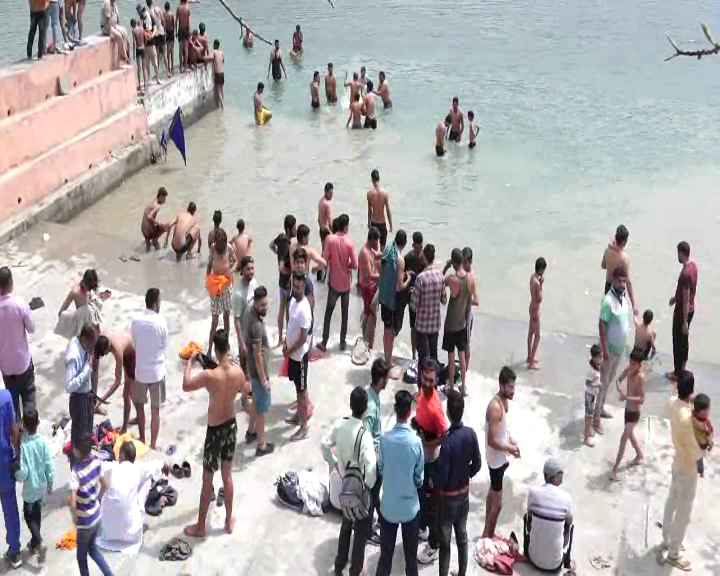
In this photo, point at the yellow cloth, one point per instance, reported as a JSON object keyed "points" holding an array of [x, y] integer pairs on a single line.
{"points": [[263, 117], [140, 448], [69, 541], [190, 349], [216, 284]]}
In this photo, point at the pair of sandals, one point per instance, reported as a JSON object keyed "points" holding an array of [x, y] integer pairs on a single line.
{"points": [[175, 550], [181, 471]]}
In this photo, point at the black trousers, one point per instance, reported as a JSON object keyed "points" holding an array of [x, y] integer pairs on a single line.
{"points": [[681, 342], [454, 515], [430, 506], [38, 20], [362, 531], [427, 345], [375, 495], [388, 536], [567, 545], [21, 387], [332, 299], [32, 511], [82, 413]]}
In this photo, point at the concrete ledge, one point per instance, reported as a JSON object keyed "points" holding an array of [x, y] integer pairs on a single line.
{"points": [[74, 197], [193, 92]]}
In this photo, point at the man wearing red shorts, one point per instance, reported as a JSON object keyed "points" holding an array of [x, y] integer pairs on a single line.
{"points": [[368, 283]]}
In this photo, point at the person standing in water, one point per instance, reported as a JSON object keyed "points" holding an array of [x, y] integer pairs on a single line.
{"points": [[262, 114], [354, 86], [330, 85], [378, 204], [315, 91], [297, 42], [186, 233], [536, 294], [276, 65], [355, 115], [440, 131], [364, 81], [242, 243], [151, 229], [457, 121], [473, 129], [368, 106], [384, 91]]}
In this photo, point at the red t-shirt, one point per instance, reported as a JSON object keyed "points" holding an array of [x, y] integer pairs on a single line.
{"points": [[687, 279], [429, 414]]}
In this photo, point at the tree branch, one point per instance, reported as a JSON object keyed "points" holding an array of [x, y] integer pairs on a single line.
{"points": [[242, 24], [714, 49]]}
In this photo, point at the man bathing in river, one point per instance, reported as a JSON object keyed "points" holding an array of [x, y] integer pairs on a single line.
{"points": [[455, 121], [223, 385], [368, 108], [219, 283], [315, 91], [378, 204], [355, 115], [262, 114], [355, 86], [120, 345], [276, 64], [384, 91], [151, 229], [330, 85], [242, 243], [440, 139], [186, 233], [297, 42]]}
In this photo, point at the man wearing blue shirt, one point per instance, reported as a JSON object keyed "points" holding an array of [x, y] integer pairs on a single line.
{"points": [[401, 465], [9, 438], [79, 364]]}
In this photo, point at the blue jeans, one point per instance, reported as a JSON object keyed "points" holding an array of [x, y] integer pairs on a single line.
{"points": [[12, 519], [86, 545], [54, 13]]}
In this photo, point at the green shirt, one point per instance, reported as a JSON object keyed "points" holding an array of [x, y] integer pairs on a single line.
{"points": [[373, 417], [615, 313]]}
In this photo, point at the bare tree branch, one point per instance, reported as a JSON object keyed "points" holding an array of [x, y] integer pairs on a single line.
{"points": [[714, 49], [242, 24]]}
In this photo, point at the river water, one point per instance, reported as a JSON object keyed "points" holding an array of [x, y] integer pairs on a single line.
{"points": [[583, 128]]}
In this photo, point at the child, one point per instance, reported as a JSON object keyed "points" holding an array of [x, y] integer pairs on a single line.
{"points": [[169, 38], [218, 68], [702, 427], [139, 44], [86, 484], [474, 129], [633, 400], [533, 339], [592, 386], [36, 472], [644, 339]]}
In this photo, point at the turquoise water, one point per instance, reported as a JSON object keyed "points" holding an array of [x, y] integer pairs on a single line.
{"points": [[583, 127]]}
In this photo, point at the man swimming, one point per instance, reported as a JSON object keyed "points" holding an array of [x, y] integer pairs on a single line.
{"points": [[248, 38], [378, 203], [330, 85], [186, 233], [368, 107], [262, 114], [384, 91], [457, 121], [297, 42], [241, 243], [276, 65], [355, 115], [315, 91], [440, 139], [151, 229]]}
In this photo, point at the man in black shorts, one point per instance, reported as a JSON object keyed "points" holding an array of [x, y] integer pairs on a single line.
{"points": [[414, 262], [223, 384]]}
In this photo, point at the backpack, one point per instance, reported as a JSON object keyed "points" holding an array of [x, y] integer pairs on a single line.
{"points": [[287, 486], [354, 495]]}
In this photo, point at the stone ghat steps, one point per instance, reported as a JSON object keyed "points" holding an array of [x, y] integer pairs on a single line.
{"points": [[60, 118], [33, 180], [29, 84]]}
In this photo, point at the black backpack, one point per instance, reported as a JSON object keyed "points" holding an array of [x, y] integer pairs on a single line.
{"points": [[355, 497]]}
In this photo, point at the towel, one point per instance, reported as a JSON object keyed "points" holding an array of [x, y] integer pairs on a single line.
{"points": [[71, 322], [69, 541], [140, 448], [216, 284], [388, 276]]}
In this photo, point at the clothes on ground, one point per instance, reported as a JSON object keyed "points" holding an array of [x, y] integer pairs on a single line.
{"points": [[68, 541], [243, 297], [338, 448], [85, 482], [459, 459], [140, 448], [150, 337], [548, 507], [687, 450], [615, 312], [37, 468], [176, 550], [340, 254], [16, 322], [388, 276], [305, 488], [496, 555], [299, 319], [426, 300], [402, 467]]}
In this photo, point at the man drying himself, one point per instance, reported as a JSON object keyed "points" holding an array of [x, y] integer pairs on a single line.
{"points": [[120, 345], [151, 229], [186, 232], [223, 385], [219, 284], [378, 204]]}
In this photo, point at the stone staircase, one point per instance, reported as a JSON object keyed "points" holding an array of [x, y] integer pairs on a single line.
{"points": [[60, 118]]}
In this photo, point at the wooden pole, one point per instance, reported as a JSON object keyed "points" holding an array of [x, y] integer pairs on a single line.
{"points": [[242, 24]]}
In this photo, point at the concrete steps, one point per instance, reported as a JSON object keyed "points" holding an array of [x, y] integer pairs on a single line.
{"points": [[60, 118], [30, 182]]}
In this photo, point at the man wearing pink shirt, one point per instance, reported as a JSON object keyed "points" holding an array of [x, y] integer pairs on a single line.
{"points": [[340, 254], [16, 364]]}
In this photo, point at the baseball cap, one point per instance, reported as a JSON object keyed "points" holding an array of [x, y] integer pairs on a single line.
{"points": [[552, 467]]}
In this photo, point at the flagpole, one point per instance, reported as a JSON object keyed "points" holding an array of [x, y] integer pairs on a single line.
{"points": [[242, 25]]}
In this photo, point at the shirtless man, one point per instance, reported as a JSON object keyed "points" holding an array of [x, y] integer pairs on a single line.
{"points": [[368, 107], [363, 81], [223, 384], [457, 121], [533, 337], [262, 114], [330, 85], [302, 240], [368, 277], [219, 283], [248, 38], [378, 203], [644, 340], [633, 401], [440, 139], [315, 91], [241, 243], [467, 254], [120, 345], [355, 115], [614, 256], [217, 220], [182, 20], [297, 42], [169, 38], [354, 86], [384, 91], [151, 229], [186, 233], [218, 60], [325, 220], [276, 64]]}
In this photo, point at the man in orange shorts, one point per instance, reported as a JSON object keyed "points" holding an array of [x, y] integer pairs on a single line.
{"points": [[368, 282]]}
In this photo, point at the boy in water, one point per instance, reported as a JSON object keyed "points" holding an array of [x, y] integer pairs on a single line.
{"points": [[169, 38], [536, 296], [139, 44], [592, 386], [702, 427], [474, 129], [218, 59], [633, 401]]}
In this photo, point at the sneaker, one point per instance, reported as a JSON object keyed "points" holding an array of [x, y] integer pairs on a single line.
{"points": [[14, 559], [269, 449], [428, 555], [424, 535]]}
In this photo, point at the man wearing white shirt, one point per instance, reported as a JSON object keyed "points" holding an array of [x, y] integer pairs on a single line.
{"points": [[150, 337], [296, 349]]}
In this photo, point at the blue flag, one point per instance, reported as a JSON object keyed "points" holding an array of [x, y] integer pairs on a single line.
{"points": [[164, 141], [176, 133]]}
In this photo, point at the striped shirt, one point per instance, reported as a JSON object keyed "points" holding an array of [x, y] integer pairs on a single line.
{"points": [[85, 482]]}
